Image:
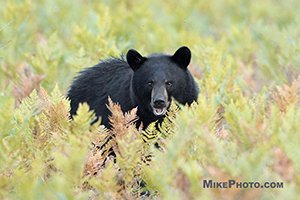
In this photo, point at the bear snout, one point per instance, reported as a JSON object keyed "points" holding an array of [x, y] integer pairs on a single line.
{"points": [[159, 103], [159, 106]]}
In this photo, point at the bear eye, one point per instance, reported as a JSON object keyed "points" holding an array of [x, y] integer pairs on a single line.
{"points": [[150, 83], [168, 83]]}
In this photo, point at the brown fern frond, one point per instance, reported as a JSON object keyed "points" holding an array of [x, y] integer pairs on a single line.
{"points": [[283, 165], [106, 146], [120, 123], [27, 83], [47, 105], [287, 95]]}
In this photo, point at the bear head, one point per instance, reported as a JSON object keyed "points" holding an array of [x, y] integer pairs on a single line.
{"points": [[159, 77]]}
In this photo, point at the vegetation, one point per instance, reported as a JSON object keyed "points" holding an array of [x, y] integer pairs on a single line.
{"points": [[245, 127]]}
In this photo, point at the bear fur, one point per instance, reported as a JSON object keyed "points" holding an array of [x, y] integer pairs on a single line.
{"points": [[148, 83]]}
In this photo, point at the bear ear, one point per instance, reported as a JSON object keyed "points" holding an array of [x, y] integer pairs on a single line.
{"points": [[134, 59], [182, 57]]}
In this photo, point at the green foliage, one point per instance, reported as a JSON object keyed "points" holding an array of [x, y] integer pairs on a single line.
{"points": [[245, 127]]}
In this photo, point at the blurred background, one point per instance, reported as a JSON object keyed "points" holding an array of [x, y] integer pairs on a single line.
{"points": [[51, 40]]}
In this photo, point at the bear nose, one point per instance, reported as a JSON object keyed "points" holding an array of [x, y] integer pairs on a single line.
{"points": [[159, 103]]}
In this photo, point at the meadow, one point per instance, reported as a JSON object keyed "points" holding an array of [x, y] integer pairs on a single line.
{"points": [[245, 126]]}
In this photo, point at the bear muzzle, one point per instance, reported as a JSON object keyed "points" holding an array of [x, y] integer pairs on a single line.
{"points": [[159, 107], [159, 100]]}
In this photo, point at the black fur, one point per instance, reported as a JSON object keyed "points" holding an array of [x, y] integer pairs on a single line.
{"points": [[148, 83]]}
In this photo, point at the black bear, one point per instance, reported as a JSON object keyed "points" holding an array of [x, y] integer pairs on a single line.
{"points": [[148, 83]]}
